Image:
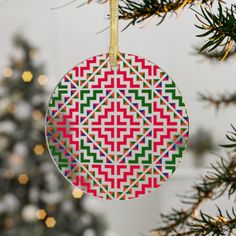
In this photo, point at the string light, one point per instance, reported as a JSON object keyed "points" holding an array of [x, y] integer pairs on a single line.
{"points": [[196, 214], [39, 149], [77, 193], [224, 219], [37, 115], [50, 222], [23, 179], [27, 76], [42, 80], [41, 214], [221, 219], [7, 72]]}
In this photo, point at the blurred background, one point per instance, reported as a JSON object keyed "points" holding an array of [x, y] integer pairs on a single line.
{"points": [[41, 44]]}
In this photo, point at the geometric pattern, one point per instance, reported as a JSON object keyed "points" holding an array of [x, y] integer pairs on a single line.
{"points": [[116, 134]]}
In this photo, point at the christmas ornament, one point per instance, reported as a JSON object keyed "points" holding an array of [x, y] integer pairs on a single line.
{"points": [[117, 125]]}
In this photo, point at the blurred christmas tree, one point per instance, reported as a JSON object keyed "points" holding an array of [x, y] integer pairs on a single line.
{"points": [[34, 199]]}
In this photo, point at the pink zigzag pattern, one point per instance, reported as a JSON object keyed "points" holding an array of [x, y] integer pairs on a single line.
{"points": [[117, 134]]}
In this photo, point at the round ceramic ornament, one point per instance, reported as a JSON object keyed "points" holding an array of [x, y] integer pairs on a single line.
{"points": [[116, 133]]}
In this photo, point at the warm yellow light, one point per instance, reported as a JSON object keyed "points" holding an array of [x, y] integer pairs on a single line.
{"points": [[221, 219], [41, 214], [196, 214], [27, 76], [224, 219], [50, 222], [39, 149], [42, 79], [7, 72], [77, 193], [23, 179], [37, 115]]}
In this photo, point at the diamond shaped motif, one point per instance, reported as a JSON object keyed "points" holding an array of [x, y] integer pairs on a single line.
{"points": [[116, 134]]}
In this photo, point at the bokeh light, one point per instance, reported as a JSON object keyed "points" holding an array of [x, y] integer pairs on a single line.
{"points": [[41, 214], [39, 149], [27, 76], [77, 193], [37, 115], [23, 179], [50, 222], [7, 72], [42, 80]]}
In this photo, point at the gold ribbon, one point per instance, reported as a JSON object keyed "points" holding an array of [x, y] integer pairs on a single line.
{"points": [[114, 49]]}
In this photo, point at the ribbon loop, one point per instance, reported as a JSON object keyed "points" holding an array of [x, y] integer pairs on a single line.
{"points": [[114, 49]]}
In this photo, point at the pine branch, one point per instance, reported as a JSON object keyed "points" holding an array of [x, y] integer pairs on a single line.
{"points": [[214, 55], [220, 28], [138, 11], [231, 136], [220, 100], [211, 187], [219, 225], [220, 180]]}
